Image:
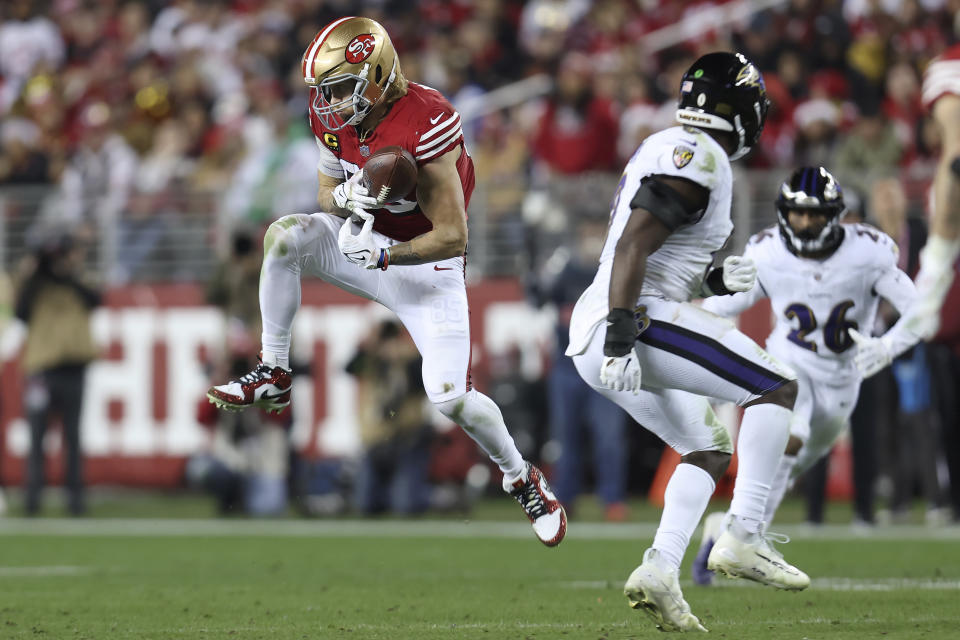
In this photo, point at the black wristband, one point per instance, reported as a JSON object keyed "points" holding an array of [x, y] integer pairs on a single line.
{"points": [[715, 283], [955, 166], [621, 333]]}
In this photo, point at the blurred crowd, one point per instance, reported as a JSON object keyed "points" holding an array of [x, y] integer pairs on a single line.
{"points": [[125, 104], [138, 116]]}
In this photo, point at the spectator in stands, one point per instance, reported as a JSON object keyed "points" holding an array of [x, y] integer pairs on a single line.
{"points": [[97, 182], [871, 149], [147, 218], [29, 42], [55, 305], [22, 161], [816, 122], [577, 132], [901, 104], [394, 429]]}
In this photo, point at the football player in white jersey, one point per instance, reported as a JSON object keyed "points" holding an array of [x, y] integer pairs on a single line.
{"points": [[824, 280], [636, 338]]}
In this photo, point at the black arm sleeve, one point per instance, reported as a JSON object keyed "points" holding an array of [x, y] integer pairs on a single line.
{"points": [[667, 204], [713, 284]]}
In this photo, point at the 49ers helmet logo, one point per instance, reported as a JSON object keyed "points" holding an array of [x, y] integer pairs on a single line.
{"points": [[360, 48]]}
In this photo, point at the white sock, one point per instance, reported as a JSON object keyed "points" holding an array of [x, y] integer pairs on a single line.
{"points": [[780, 482], [684, 502], [936, 272], [480, 417], [274, 359], [279, 292], [763, 436]]}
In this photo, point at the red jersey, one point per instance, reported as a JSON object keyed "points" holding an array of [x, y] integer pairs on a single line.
{"points": [[942, 76], [424, 123]]}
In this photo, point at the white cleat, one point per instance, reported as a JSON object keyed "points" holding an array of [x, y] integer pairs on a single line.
{"points": [[544, 511], [755, 560], [654, 587]]}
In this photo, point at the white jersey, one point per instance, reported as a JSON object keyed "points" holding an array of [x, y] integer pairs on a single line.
{"points": [[677, 269], [815, 302]]}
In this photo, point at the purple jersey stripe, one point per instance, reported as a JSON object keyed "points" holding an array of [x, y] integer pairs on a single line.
{"points": [[712, 356]]}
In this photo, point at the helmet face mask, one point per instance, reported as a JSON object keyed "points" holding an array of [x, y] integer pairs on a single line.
{"points": [[815, 190], [725, 91], [335, 96], [350, 65]]}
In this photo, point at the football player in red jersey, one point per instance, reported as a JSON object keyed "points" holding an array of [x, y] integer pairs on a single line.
{"points": [[941, 95], [408, 254]]}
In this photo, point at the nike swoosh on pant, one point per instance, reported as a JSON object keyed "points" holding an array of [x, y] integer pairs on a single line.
{"points": [[436, 268]]}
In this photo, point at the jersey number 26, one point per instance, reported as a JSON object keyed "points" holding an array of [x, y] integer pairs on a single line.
{"points": [[835, 332]]}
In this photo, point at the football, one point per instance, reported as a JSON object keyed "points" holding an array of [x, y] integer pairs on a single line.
{"points": [[390, 174]]}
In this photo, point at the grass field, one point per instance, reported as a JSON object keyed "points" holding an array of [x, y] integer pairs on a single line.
{"points": [[195, 578]]}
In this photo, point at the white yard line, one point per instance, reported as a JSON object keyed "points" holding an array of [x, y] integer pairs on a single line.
{"points": [[410, 529]]}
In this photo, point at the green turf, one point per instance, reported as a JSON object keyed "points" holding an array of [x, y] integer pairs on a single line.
{"points": [[293, 585]]}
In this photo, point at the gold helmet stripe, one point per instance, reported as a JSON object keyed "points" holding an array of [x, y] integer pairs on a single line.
{"points": [[317, 43]]}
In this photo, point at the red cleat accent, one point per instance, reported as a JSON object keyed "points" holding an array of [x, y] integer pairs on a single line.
{"points": [[265, 387]]}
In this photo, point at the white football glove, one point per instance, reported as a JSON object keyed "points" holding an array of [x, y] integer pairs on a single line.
{"points": [[739, 273], [352, 195], [359, 249], [873, 354], [621, 373]]}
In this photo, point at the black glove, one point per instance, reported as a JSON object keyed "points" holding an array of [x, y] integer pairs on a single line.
{"points": [[621, 333]]}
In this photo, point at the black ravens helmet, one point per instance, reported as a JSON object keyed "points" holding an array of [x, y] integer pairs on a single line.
{"points": [[811, 189], [725, 91]]}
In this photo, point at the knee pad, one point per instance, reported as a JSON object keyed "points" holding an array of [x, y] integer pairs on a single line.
{"points": [[280, 241]]}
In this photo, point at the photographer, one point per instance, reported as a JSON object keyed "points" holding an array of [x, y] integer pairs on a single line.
{"points": [[394, 429], [55, 306]]}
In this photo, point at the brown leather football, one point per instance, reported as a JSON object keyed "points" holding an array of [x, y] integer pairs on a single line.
{"points": [[390, 174]]}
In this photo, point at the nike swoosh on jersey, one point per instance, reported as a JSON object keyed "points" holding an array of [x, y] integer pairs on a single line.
{"points": [[436, 119], [436, 268]]}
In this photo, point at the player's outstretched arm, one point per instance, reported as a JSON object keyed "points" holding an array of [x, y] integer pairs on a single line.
{"points": [[945, 222], [729, 302], [898, 289], [735, 304], [874, 354], [440, 195]]}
